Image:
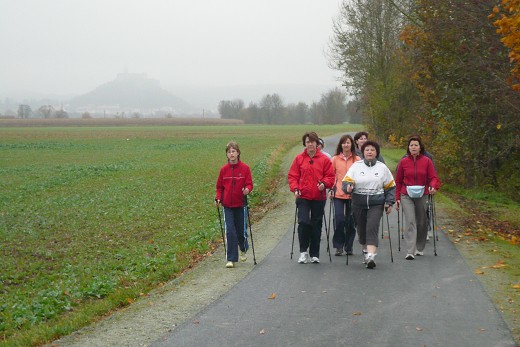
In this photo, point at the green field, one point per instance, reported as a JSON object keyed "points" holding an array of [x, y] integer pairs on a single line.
{"points": [[93, 217]]}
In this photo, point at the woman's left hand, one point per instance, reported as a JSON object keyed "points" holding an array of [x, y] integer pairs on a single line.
{"points": [[245, 191], [432, 190], [388, 209]]}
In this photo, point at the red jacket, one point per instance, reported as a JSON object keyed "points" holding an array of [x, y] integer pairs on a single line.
{"points": [[231, 180], [415, 172], [305, 174]]}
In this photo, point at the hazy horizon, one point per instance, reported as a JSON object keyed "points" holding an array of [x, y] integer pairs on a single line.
{"points": [[67, 48]]}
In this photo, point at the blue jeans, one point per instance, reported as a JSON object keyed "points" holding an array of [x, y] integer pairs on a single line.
{"points": [[234, 221]]}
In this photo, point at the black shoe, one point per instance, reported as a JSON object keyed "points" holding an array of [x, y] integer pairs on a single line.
{"points": [[370, 262]]}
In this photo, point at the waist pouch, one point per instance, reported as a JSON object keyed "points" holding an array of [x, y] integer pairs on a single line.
{"points": [[415, 192]]}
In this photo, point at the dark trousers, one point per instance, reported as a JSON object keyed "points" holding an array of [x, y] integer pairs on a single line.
{"points": [[234, 220], [310, 215], [367, 222], [344, 228]]}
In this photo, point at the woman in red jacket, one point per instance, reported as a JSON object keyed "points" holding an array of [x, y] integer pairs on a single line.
{"points": [[415, 180], [233, 184], [310, 174]]}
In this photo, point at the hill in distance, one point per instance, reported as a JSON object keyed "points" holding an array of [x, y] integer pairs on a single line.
{"points": [[131, 92]]}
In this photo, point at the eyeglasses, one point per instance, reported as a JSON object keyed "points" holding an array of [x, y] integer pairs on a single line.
{"points": [[311, 161]]}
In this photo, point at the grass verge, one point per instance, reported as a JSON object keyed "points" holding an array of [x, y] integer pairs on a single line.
{"points": [[485, 228], [93, 218]]}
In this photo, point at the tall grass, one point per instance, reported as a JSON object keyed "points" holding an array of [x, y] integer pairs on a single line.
{"points": [[90, 218]]}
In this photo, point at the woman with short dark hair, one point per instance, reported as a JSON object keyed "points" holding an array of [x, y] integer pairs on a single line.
{"points": [[309, 176], [373, 190]]}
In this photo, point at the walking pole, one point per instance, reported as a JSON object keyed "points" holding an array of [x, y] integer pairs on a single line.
{"points": [[327, 228], [402, 223], [345, 213], [430, 197], [390, 239], [294, 229], [382, 230], [326, 231], [330, 225], [398, 230], [250, 232], [434, 215], [222, 231]]}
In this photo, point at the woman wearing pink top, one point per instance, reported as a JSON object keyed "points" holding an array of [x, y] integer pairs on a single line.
{"points": [[344, 228]]}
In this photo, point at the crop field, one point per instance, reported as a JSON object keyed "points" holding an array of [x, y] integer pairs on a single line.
{"points": [[93, 217]]}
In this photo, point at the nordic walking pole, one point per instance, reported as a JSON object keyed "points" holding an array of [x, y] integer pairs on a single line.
{"points": [[250, 232], [398, 230], [402, 223], [390, 239], [294, 229], [326, 227], [330, 225], [382, 228], [326, 232], [430, 197], [434, 216], [344, 213], [222, 231]]}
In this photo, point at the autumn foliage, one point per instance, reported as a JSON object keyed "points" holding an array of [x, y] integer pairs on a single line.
{"points": [[508, 26], [453, 77]]}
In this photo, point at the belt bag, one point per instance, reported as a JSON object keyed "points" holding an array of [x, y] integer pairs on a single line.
{"points": [[415, 192]]}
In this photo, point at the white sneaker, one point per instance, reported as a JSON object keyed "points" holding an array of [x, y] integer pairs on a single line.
{"points": [[230, 265], [243, 256], [315, 260], [409, 256], [420, 253], [365, 257], [303, 258], [371, 261]]}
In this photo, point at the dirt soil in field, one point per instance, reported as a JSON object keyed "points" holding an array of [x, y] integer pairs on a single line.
{"points": [[161, 311]]}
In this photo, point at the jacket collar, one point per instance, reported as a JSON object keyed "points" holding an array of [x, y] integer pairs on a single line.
{"points": [[419, 156], [370, 162]]}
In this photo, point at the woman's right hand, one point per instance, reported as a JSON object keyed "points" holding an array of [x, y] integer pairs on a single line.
{"points": [[397, 203]]}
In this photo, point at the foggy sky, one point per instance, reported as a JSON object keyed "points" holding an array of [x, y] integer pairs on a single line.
{"points": [[73, 46]]}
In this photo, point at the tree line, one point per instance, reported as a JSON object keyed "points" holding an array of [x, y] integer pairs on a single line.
{"points": [[445, 69], [332, 108]]}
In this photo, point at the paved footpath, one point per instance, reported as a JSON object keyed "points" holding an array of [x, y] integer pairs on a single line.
{"points": [[429, 301]]}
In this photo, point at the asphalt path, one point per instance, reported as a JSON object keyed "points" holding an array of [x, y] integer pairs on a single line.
{"points": [[429, 301]]}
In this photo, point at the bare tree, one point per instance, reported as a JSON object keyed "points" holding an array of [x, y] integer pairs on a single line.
{"points": [[46, 110], [273, 108], [24, 111]]}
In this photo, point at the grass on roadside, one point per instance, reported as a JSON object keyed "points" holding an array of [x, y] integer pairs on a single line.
{"points": [[92, 218], [487, 234]]}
